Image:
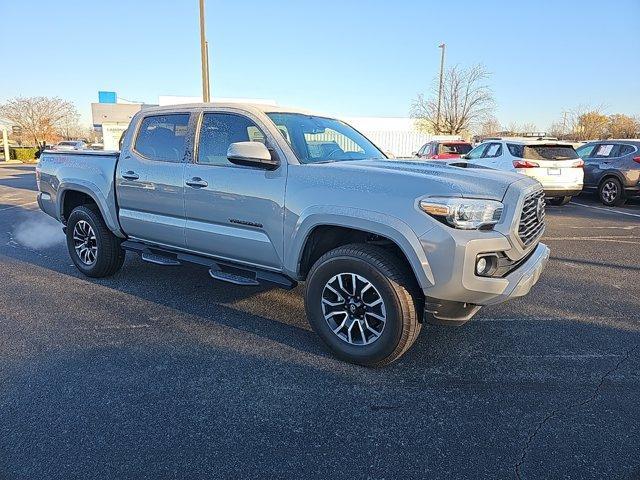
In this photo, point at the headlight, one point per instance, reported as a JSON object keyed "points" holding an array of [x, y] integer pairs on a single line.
{"points": [[464, 213]]}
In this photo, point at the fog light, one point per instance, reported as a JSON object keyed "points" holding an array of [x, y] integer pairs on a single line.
{"points": [[481, 266]]}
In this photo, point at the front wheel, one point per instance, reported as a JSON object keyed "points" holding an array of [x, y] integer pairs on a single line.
{"points": [[364, 304], [559, 201], [611, 192], [94, 249]]}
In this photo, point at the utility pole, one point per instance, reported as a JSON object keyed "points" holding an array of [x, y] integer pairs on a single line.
{"points": [[204, 53], [564, 124], [443, 47]]}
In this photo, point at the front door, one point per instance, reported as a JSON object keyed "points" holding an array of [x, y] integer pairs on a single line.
{"points": [[150, 183], [233, 212]]}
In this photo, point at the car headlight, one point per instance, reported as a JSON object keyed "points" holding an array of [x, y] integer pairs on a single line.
{"points": [[464, 213]]}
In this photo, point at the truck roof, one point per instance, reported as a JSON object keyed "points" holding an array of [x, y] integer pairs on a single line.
{"points": [[249, 107]]}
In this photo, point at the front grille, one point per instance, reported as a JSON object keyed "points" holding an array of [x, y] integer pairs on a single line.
{"points": [[532, 221]]}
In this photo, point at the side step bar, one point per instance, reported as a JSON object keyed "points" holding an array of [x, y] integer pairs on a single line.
{"points": [[231, 278], [224, 271], [158, 259]]}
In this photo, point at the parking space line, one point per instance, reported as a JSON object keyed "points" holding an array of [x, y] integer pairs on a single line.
{"points": [[610, 210], [16, 206]]}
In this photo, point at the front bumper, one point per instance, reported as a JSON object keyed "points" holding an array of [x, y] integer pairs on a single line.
{"points": [[452, 257], [457, 292], [525, 276]]}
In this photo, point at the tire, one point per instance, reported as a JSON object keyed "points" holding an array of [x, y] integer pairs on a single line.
{"points": [[391, 281], [611, 192], [108, 257], [559, 201]]}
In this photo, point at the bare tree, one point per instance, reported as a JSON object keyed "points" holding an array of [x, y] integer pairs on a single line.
{"points": [[491, 126], [41, 118], [467, 102], [583, 122]]}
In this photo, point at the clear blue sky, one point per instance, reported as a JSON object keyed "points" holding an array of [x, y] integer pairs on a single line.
{"points": [[352, 58]]}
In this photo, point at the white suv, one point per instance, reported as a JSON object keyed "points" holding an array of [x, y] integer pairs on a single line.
{"points": [[555, 165]]}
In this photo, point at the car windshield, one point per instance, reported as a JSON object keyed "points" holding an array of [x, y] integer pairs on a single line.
{"points": [[455, 148], [319, 139]]}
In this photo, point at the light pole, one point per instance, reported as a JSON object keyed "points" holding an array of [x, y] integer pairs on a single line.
{"points": [[204, 54], [443, 47]]}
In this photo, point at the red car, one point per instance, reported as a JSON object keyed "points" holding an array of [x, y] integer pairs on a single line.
{"points": [[443, 150]]}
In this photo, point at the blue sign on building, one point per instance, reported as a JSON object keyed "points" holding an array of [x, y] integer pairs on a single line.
{"points": [[107, 97]]}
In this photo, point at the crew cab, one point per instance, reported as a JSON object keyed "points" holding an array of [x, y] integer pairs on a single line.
{"points": [[263, 194]]}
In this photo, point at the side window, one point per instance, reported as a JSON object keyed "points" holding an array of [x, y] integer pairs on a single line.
{"points": [[218, 131], [493, 150], [163, 137], [516, 150], [604, 150], [477, 152], [431, 149], [585, 151], [624, 150]]}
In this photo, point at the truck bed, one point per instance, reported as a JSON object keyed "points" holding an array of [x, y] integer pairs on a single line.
{"points": [[87, 171]]}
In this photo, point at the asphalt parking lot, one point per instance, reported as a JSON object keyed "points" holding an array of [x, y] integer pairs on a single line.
{"points": [[159, 372]]}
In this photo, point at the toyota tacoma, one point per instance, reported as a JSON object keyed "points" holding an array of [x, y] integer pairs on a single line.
{"points": [[263, 194]]}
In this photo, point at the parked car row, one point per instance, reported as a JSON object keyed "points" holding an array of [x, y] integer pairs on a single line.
{"points": [[611, 167]]}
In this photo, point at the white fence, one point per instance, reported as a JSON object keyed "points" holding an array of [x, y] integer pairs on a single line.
{"points": [[402, 143]]}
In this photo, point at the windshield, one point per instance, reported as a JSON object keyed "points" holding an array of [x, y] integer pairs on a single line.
{"points": [[319, 139]]}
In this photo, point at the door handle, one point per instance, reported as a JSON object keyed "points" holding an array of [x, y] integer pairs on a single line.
{"points": [[197, 182], [130, 175]]}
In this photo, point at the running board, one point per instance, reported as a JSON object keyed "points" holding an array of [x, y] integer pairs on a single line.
{"points": [[225, 271], [159, 259], [232, 278]]}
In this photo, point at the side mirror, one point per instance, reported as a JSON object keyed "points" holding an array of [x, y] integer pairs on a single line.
{"points": [[464, 157], [414, 154], [251, 154]]}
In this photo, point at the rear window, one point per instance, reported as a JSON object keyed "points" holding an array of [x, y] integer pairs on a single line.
{"points": [[455, 148], [543, 152], [162, 137]]}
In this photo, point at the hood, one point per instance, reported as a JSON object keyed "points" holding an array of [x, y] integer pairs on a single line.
{"points": [[444, 178]]}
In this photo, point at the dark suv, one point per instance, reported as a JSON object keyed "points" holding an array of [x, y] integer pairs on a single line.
{"points": [[612, 167]]}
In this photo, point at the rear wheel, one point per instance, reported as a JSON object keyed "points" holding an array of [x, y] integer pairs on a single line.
{"points": [[611, 192], [95, 251], [364, 304], [559, 201]]}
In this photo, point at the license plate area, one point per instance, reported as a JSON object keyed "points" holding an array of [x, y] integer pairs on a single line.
{"points": [[554, 171]]}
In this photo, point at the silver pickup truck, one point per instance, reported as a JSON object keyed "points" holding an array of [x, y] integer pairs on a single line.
{"points": [[261, 194]]}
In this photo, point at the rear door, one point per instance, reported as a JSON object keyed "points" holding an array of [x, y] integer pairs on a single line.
{"points": [[149, 180], [591, 174], [600, 160], [233, 212]]}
